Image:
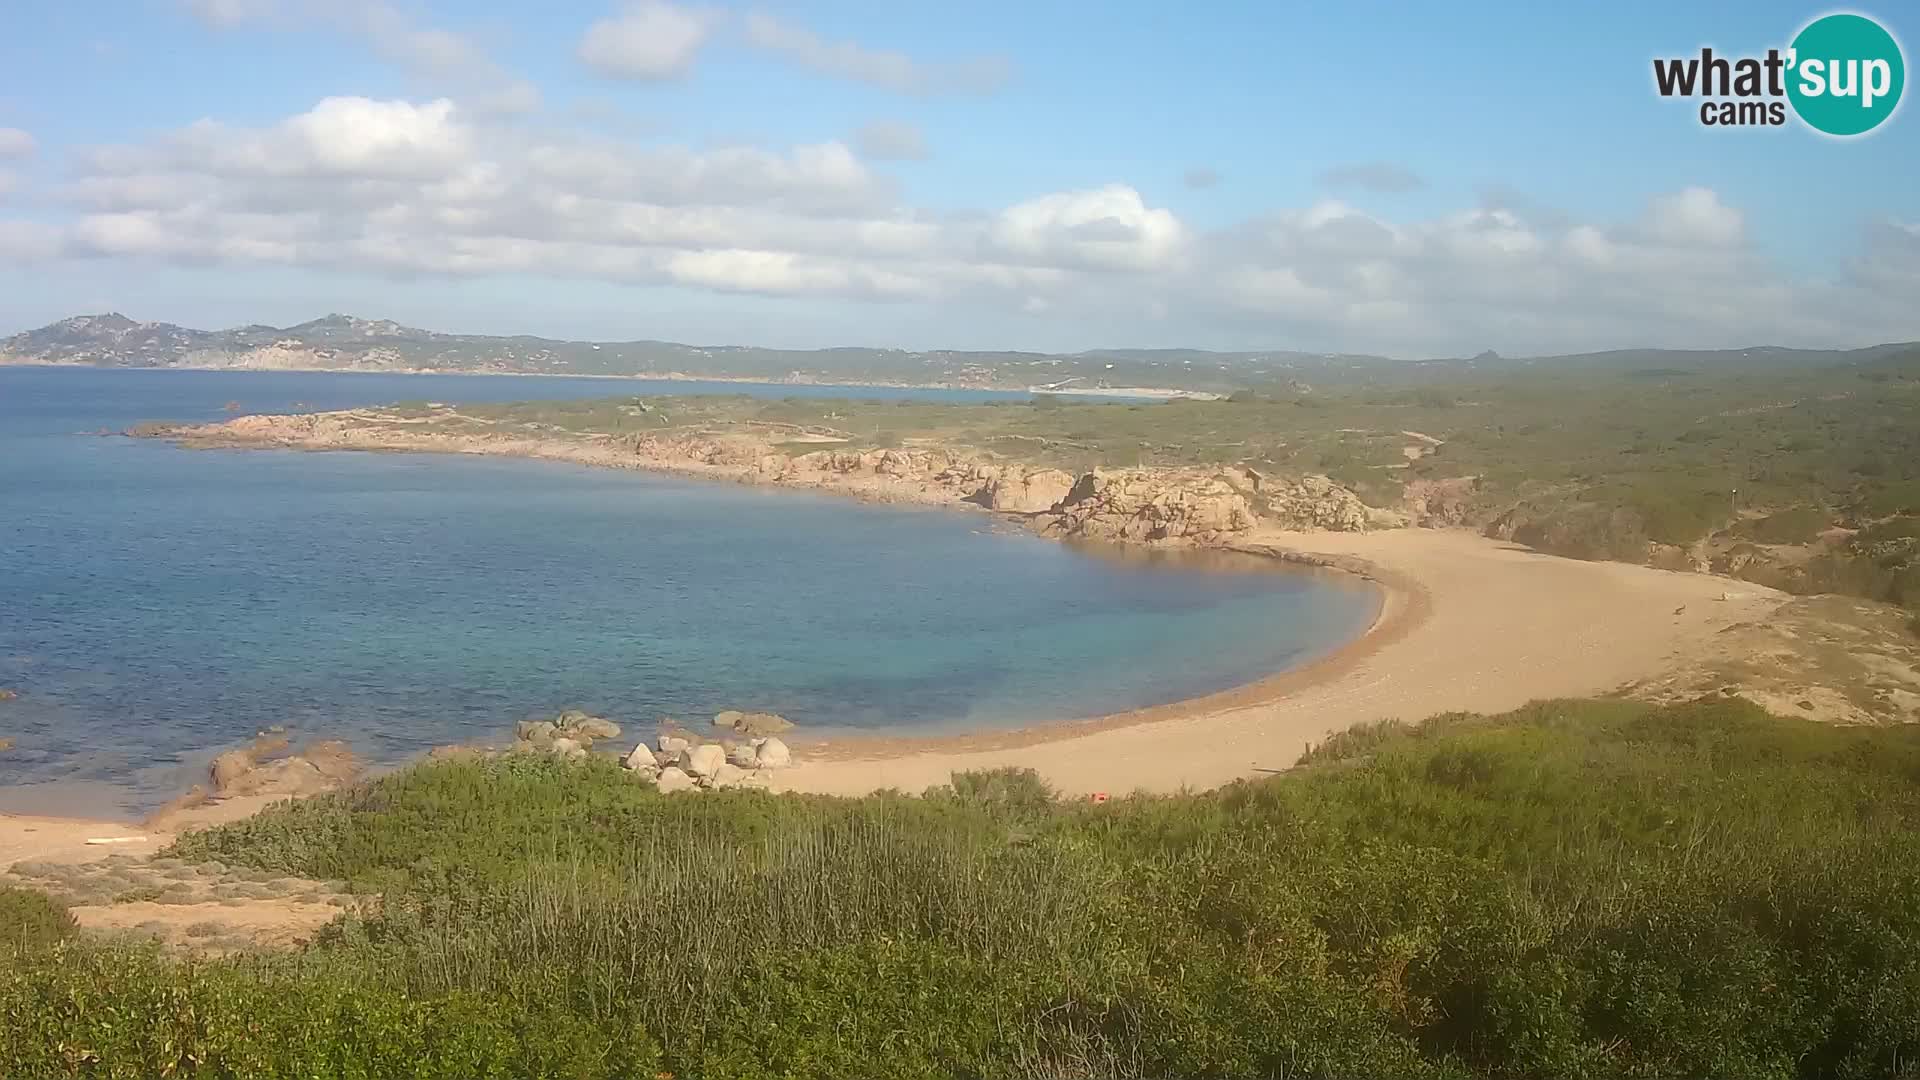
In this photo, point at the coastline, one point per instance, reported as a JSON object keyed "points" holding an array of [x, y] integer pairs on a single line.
{"points": [[1464, 623], [1117, 393]]}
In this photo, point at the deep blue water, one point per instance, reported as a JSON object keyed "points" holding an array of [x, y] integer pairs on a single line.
{"points": [[158, 604]]}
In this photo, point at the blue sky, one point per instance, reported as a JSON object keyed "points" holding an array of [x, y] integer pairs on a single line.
{"points": [[1410, 179]]}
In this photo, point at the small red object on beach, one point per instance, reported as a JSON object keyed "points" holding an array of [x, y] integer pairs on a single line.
{"points": [[1098, 796]]}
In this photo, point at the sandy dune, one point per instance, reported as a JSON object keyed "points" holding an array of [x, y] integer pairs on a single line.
{"points": [[1475, 625]]}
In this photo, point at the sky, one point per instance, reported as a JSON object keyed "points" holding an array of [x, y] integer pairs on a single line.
{"points": [[1403, 179]]}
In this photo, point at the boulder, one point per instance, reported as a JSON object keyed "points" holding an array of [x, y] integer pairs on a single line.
{"points": [[671, 780], [773, 754], [642, 758], [539, 733], [743, 757], [728, 719], [571, 749], [672, 744], [664, 758], [727, 776], [591, 727], [227, 769], [703, 760], [756, 724]]}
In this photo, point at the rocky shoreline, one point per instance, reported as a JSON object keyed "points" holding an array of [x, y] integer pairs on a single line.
{"points": [[1207, 507]]}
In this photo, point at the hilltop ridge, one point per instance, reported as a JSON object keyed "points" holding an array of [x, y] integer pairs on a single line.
{"points": [[343, 342]]}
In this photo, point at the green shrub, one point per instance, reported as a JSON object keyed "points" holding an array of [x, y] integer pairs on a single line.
{"points": [[1595, 889], [1800, 525], [31, 921], [133, 1013]]}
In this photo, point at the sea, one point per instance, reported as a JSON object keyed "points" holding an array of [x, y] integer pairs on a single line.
{"points": [[159, 604]]}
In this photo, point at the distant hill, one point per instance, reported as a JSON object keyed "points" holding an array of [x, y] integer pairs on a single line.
{"points": [[346, 343]]}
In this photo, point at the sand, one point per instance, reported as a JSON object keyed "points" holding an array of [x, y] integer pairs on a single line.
{"points": [[1470, 624]]}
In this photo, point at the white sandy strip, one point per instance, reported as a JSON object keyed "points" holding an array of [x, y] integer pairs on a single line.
{"points": [[1503, 626]]}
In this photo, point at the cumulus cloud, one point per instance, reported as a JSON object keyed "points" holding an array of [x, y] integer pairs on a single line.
{"points": [[1694, 216], [646, 41], [1200, 177], [440, 57], [367, 186], [887, 69], [1108, 228], [15, 143], [892, 140], [1380, 176]]}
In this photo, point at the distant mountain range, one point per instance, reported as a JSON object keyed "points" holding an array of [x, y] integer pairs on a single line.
{"points": [[345, 343]]}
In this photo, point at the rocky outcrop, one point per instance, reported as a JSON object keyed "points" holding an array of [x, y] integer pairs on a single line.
{"points": [[1028, 491], [1440, 503], [1149, 505], [570, 735], [268, 768], [1305, 502], [1195, 505], [681, 765], [752, 725]]}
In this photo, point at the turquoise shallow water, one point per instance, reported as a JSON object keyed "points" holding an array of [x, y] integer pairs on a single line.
{"points": [[157, 604]]}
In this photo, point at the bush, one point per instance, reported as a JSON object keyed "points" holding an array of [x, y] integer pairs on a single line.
{"points": [[1800, 525], [31, 921], [1595, 889], [122, 1012]]}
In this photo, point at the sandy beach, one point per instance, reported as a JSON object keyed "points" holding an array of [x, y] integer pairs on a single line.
{"points": [[1467, 623], [1471, 624]]}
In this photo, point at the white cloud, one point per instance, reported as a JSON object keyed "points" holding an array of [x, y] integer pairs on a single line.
{"points": [[649, 40], [15, 143], [1106, 228], [1695, 215], [892, 140], [357, 135], [442, 58], [9, 180], [356, 185], [886, 69], [229, 13]]}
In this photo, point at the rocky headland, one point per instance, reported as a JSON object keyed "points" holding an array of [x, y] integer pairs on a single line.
{"points": [[1205, 506]]}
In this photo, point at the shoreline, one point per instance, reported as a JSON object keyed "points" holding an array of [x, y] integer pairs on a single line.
{"points": [[1243, 730], [1117, 393], [1401, 606]]}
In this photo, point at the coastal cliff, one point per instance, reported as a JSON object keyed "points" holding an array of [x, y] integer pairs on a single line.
{"points": [[1185, 504]]}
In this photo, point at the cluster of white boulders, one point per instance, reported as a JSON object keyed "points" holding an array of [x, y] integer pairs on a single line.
{"points": [[569, 735], [676, 760], [679, 763]]}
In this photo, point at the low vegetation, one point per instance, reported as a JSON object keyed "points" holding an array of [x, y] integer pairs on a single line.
{"points": [[1577, 889], [1808, 480]]}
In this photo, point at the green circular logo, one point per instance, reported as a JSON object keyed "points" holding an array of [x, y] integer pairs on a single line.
{"points": [[1846, 74]]}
